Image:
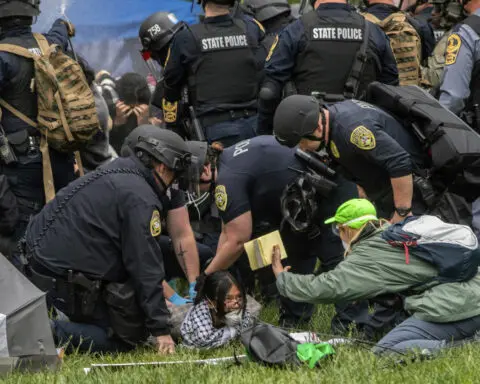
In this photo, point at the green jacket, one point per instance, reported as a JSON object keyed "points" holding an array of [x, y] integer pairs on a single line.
{"points": [[374, 268]]}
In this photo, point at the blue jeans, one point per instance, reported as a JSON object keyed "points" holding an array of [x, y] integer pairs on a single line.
{"points": [[418, 334], [232, 132]]}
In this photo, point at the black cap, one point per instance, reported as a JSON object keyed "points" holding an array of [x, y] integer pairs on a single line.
{"points": [[296, 117]]}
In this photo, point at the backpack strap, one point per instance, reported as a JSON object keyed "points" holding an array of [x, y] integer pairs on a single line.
{"points": [[353, 81], [42, 42], [48, 185], [17, 113], [372, 18], [17, 50]]}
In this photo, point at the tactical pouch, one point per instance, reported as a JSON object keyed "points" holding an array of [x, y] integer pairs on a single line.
{"points": [[19, 141], [127, 319]]}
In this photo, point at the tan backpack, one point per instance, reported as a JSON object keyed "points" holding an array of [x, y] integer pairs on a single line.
{"points": [[406, 46], [67, 117]]}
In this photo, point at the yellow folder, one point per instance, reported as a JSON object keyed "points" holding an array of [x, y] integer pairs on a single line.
{"points": [[259, 250]]}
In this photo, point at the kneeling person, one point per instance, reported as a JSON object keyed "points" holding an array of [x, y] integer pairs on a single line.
{"points": [[97, 256]]}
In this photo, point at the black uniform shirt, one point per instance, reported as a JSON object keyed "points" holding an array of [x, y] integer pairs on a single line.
{"points": [[371, 146], [108, 230], [252, 177]]}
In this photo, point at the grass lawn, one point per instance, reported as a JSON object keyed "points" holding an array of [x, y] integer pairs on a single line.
{"points": [[352, 364]]}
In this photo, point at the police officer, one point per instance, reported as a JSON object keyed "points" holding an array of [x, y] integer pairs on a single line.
{"points": [[182, 254], [220, 60], [99, 258], [24, 171], [251, 179], [370, 147], [324, 51], [274, 15], [460, 89], [381, 10]]}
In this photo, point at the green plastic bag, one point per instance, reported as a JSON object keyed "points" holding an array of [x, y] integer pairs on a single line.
{"points": [[313, 353]]}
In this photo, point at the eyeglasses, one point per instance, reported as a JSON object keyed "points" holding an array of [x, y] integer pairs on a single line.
{"points": [[229, 300], [336, 228]]}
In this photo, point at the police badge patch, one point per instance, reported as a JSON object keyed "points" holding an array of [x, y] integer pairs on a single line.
{"points": [[155, 224], [334, 150], [169, 111], [453, 47], [221, 197], [363, 138]]}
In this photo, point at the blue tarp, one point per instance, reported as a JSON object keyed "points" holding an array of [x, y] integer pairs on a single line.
{"points": [[107, 30]]}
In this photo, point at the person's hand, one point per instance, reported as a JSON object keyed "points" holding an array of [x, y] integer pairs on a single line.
{"points": [[178, 300], [155, 121], [191, 290], [122, 113], [70, 28], [165, 345], [143, 113], [277, 266], [396, 218]]}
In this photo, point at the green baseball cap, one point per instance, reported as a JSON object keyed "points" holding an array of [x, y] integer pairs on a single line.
{"points": [[354, 213]]}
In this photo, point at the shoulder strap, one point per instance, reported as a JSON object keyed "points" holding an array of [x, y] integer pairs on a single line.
{"points": [[372, 18], [16, 50], [473, 22], [42, 42], [353, 81]]}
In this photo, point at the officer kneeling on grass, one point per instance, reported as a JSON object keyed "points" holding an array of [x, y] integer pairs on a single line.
{"points": [[444, 311], [99, 258]]}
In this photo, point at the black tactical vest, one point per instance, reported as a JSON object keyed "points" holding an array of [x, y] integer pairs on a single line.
{"points": [[225, 73], [473, 102], [324, 65], [18, 90]]}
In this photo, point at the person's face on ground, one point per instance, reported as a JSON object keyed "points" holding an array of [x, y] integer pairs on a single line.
{"points": [[233, 301]]}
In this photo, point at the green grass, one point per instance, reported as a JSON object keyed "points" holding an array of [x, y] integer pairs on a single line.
{"points": [[352, 364]]}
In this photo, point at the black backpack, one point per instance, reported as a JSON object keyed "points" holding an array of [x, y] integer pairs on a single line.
{"points": [[270, 345], [453, 147]]}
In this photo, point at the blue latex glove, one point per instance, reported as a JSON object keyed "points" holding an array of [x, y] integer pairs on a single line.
{"points": [[178, 300], [191, 290]]}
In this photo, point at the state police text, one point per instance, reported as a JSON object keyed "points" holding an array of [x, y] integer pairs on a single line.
{"points": [[337, 33], [224, 42]]}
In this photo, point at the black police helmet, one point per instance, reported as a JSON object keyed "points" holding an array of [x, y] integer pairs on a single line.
{"points": [[22, 8], [264, 10], [158, 30], [199, 150], [165, 147], [146, 130], [296, 117]]}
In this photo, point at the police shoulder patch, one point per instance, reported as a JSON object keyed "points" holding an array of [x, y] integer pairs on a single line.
{"points": [[453, 47], [221, 197], [363, 138], [169, 111], [334, 150], [272, 49], [155, 224]]}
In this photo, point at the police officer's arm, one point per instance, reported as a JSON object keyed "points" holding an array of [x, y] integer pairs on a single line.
{"points": [[184, 243], [256, 31], [380, 44], [459, 61], [142, 257], [373, 143], [182, 51], [58, 34], [234, 235], [278, 71]]}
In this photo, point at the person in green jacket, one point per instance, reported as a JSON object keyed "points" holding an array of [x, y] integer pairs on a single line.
{"points": [[440, 314]]}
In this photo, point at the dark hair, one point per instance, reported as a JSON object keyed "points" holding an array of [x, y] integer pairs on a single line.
{"points": [[132, 88], [215, 288]]}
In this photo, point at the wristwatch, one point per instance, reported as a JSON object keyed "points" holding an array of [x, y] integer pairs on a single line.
{"points": [[402, 211]]}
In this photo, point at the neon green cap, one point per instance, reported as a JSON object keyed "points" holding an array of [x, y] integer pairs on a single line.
{"points": [[354, 213]]}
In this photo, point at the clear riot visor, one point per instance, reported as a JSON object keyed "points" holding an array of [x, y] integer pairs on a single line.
{"points": [[152, 65], [189, 180]]}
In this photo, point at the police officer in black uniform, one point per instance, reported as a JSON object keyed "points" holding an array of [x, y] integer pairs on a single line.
{"points": [[221, 61], [274, 15], [371, 147], [381, 10], [252, 177], [325, 51], [99, 258], [21, 162]]}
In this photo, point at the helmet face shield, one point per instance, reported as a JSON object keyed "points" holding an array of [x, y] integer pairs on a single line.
{"points": [[189, 180]]}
